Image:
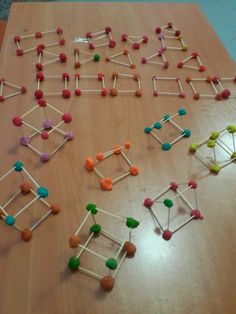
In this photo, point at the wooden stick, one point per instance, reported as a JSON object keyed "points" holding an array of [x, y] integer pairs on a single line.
{"points": [[6, 174], [58, 147], [110, 214], [41, 220], [10, 200], [12, 95], [100, 45], [180, 194], [90, 273], [120, 178], [118, 267], [92, 252], [121, 63], [190, 67], [122, 244], [117, 54], [28, 112], [162, 193], [82, 223], [126, 159], [183, 224], [85, 245], [110, 236], [176, 125], [98, 173], [97, 33], [193, 88], [37, 152], [26, 206], [31, 178], [155, 62], [12, 85], [156, 137], [30, 126], [177, 139]]}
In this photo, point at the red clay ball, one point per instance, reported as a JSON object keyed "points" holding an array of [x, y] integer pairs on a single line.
{"points": [[88, 35], [225, 93], [202, 68], [38, 94], [39, 66], [23, 89], [66, 94], [77, 92], [17, 39], [129, 248], [107, 29], [59, 30], [25, 188], [91, 46], [192, 184], [180, 64], [65, 76], [67, 118], [112, 43], [158, 30], [136, 46], [40, 76], [143, 60], [196, 213], [166, 65], [124, 37], [19, 52], [42, 102], [17, 121], [104, 92], [38, 35], [145, 39], [174, 186], [26, 234], [167, 235], [44, 135], [1, 98], [62, 42], [62, 57]]}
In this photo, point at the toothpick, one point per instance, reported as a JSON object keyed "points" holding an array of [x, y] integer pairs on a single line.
{"points": [[26, 206], [120, 178], [82, 224], [40, 220]]}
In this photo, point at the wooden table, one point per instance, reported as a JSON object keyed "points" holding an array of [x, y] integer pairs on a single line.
{"points": [[192, 273]]}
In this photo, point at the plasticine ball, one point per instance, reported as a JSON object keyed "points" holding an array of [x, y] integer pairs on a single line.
{"points": [[19, 52], [215, 79], [167, 235], [17, 121], [112, 43], [26, 234], [138, 93], [111, 263], [40, 76], [131, 222], [193, 148], [62, 57], [233, 156], [107, 29], [66, 93], [211, 143], [201, 68], [25, 188], [127, 145], [225, 93], [77, 92], [158, 30], [173, 186], [92, 208], [168, 203], [136, 46], [17, 39], [74, 263], [185, 48], [77, 65], [44, 157], [129, 248], [166, 146], [188, 79], [74, 241], [59, 30], [69, 136], [96, 57], [1, 98], [194, 55], [38, 35], [177, 33], [136, 77], [104, 92], [113, 92], [196, 96], [44, 135], [196, 214], [182, 95], [66, 117], [215, 168], [115, 75], [107, 283], [143, 60], [145, 39], [134, 171], [192, 184], [38, 94], [88, 35], [182, 112], [186, 133], [166, 117], [42, 192], [166, 64], [180, 64], [91, 46], [147, 130], [157, 125], [18, 166], [10, 220], [148, 202], [42, 102], [23, 89], [100, 156], [214, 135], [124, 37], [55, 209], [231, 129], [65, 76], [96, 229]]}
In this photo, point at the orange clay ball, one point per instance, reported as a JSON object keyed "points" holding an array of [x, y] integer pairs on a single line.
{"points": [[134, 171], [89, 164], [132, 66], [106, 184], [25, 188], [113, 92], [126, 52], [136, 77], [127, 145], [218, 97], [74, 241], [115, 74], [138, 93], [209, 79], [77, 65], [107, 59], [196, 96], [188, 79], [130, 248], [55, 209], [76, 50], [107, 283], [100, 156], [26, 234], [117, 151]]}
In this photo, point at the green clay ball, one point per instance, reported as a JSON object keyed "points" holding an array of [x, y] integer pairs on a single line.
{"points": [[132, 223], [18, 166], [214, 135], [168, 203], [182, 112], [166, 146], [233, 156], [215, 168], [157, 125], [231, 128], [92, 208], [10, 220], [74, 263], [42, 192], [166, 117], [111, 263], [96, 229], [148, 130], [193, 148], [96, 57], [186, 133], [211, 144]]}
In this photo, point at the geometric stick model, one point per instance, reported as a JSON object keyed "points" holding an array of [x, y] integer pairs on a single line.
{"points": [[41, 77], [106, 183], [168, 28], [57, 58], [219, 92], [159, 53], [195, 56], [40, 194], [217, 144], [38, 35], [91, 57], [98, 36], [126, 247], [156, 92], [125, 53], [158, 125], [100, 77], [136, 77], [134, 40], [19, 89], [162, 38], [168, 203], [47, 129]]}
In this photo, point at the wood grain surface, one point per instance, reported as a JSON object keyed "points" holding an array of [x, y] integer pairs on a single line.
{"points": [[195, 271]]}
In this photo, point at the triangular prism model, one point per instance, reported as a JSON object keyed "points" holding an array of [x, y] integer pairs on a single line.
{"points": [[18, 89], [159, 54], [194, 56], [134, 40], [125, 52], [91, 57]]}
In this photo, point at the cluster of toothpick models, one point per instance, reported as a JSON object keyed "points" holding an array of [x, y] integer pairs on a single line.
{"points": [[99, 77], [96, 40], [135, 41], [219, 92], [159, 54], [46, 129], [170, 33], [194, 56], [17, 89], [169, 204], [39, 193], [156, 91], [40, 77], [116, 76], [218, 150], [126, 53], [126, 247], [107, 183], [19, 39], [92, 57], [168, 119]]}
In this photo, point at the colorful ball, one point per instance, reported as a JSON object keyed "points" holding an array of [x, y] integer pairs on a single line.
{"points": [[44, 135], [26, 234], [231, 129], [18, 166], [10, 220], [66, 117], [92, 208], [38, 94], [44, 157], [168, 203], [25, 140], [192, 184], [111, 263], [186, 133], [182, 112], [148, 202], [17, 121], [74, 241], [104, 92], [166, 146], [25, 188], [42, 192], [62, 57], [96, 229], [214, 135], [129, 248], [66, 93], [173, 186], [167, 235], [193, 147], [55, 209], [215, 168], [157, 125], [196, 214], [143, 60], [107, 283], [77, 92], [147, 130], [74, 263]]}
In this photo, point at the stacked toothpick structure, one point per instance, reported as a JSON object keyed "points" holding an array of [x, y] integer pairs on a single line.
{"points": [[169, 28], [46, 130], [194, 56], [211, 150], [107, 183], [159, 54], [40, 194], [156, 92], [135, 41], [125, 52], [93, 38], [18, 89], [99, 77], [195, 213], [219, 92], [116, 76], [184, 133], [92, 57], [40, 77], [38, 35], [56, 58], [126, 247]]}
